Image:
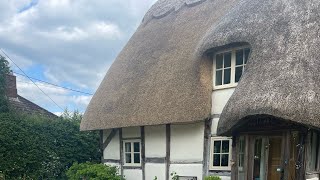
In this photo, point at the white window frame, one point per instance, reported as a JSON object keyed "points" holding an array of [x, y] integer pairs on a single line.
{"points": [[132, 141], [233, 67], [223, 168], [241, 138]]}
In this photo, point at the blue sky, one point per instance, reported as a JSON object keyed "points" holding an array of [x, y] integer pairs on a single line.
{"points": [[70, 43]]}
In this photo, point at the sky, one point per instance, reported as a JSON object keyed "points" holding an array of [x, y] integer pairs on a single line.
{"points": [[70, 43]]}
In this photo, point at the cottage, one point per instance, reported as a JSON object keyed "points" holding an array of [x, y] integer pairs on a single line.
{"points": [[213, 87], [21, 104]]}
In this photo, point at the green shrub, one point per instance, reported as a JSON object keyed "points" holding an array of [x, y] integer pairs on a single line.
{"points": [[86, 171], [36, 147], [212, 178], [174, 176]]}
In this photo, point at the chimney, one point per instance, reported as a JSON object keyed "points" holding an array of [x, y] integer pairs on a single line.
{"points": [[11, 86]]}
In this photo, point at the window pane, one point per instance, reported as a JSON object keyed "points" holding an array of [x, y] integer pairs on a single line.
{"points": [[238, 73], [227, 59], [241, 160], [217, 146], [219, 61], [225, 146], [219, 77], [224, 159], [216, 160], [241, 152], [127, 147], [136, 147], [241, 144], [136, 157], [128, 157], [246, 53], [239, 57], [227, 76]]}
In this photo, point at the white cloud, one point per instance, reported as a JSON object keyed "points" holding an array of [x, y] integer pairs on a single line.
{"points": [[96, 30], [62, 97], [74, 41], [82, 100]]}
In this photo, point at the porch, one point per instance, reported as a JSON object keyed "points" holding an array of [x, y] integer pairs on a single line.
{"points": [[269, 148]]}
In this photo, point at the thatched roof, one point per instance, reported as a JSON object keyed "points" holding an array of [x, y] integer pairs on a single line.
{"points": [[164, 76], [157, 78], [282, 76]]}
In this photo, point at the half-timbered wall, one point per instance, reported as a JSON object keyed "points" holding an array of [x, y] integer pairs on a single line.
{"points": [[219, 99], [155, 143], [186, 151], [165, 149], [111, 148]]}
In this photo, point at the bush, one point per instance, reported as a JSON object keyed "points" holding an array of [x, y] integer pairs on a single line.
{"points": [[92, 171], [212, 178], [36, 147]]}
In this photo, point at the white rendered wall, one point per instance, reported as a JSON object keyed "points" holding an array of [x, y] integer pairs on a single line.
{"points": [[155, 141], [186, 149], [112, 151], [131, 132], [187, 142], [155, 147], [132, 174], [219, 99], [214, 126], [187, 170], [152, 170], [225, 177]]}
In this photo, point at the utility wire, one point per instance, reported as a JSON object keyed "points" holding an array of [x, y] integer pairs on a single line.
{"points": [[31, 80], [63, 87]]}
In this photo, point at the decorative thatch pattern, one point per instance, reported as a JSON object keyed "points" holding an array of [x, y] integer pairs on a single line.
{"points": [[157, 78], [165, 7]]}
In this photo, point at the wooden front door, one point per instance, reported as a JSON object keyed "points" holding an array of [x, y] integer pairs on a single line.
{"points": [[267, 158], [274, 158]]}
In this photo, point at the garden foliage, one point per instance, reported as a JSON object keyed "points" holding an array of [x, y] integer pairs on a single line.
{"points": [[92, 171], [4, 69], [212, 178], [36, 147]]}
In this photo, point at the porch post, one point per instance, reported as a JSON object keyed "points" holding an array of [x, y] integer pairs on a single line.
{"points": [[234, 165], [300, 173]]}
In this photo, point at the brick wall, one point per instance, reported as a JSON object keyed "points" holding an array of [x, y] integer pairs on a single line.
{"points": [[11, 86]]}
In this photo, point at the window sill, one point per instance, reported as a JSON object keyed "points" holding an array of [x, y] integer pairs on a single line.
{"points": [[132, 165], [220, 169], [225, 86]]}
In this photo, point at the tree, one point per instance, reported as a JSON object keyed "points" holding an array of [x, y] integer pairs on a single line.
{"points": [[4, 69]]}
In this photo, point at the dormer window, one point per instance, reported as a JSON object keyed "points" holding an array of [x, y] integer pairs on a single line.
{"points": [[229, 66]]}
